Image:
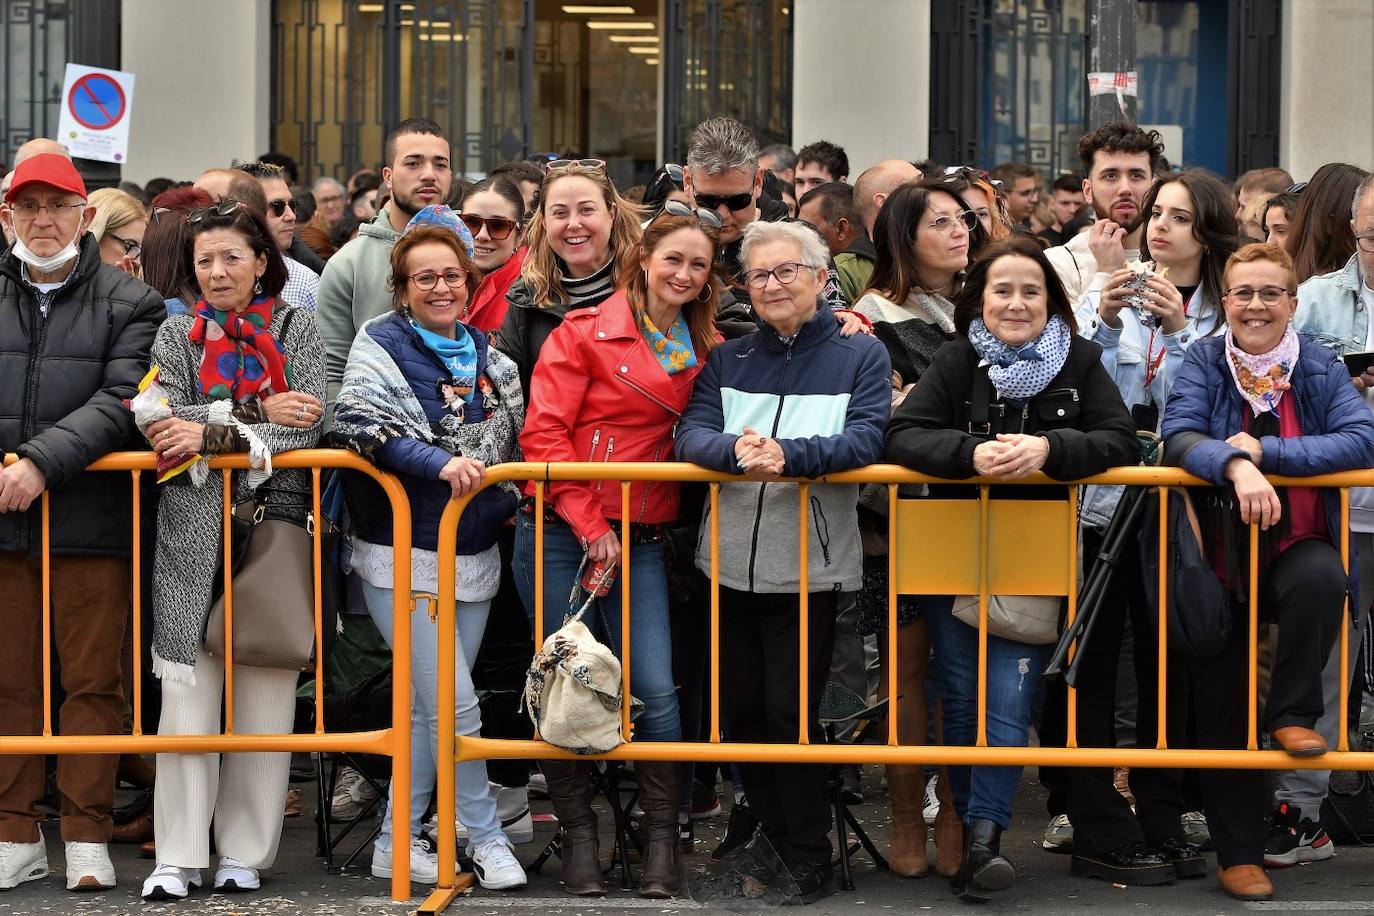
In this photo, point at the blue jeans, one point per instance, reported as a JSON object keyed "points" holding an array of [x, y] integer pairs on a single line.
{"points": [[476, 806], [983, 792], [651, 646]]}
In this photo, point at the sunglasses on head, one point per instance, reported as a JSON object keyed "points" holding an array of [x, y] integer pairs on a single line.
{"points": [[225, 207], [597, 164], [498, 228], [678, 208], [732, 202], [279, 207], [967, 173]]}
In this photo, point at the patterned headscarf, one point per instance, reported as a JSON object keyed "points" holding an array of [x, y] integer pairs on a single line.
{"points": [[445, 217]]}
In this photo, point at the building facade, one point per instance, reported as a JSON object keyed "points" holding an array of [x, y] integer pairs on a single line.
{"points": [[1233, 84]]}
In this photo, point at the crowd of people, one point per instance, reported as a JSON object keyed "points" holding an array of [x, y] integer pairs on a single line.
{"points": [[751, 311]]}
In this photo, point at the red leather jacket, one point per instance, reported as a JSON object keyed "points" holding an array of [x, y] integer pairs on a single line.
{"points": [[598, 394]]}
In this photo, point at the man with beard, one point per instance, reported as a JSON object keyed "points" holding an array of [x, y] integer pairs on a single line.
{"points": [[1121, 162], [354, 285]]}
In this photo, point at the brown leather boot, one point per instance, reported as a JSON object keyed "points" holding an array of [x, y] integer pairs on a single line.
{"points": [[949, 831], [1245, 882], [658, 796], [907, 850], [570, 790]]}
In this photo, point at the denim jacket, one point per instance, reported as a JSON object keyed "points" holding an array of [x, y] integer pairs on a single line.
{"points": [[1330, 310], [1124, 356]]}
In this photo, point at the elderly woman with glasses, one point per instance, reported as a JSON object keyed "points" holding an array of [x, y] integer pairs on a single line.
{"points": [[1260, 400], [245, 373], [611, 384], [794, 399]]}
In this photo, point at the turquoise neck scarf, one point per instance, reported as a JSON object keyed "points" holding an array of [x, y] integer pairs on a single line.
{"points": [[458, 355], [673, 350]]}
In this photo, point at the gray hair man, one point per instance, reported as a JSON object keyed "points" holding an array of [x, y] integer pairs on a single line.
{"points": [[330, 199]]}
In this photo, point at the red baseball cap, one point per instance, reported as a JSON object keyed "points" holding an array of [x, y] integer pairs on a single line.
{"points": [[49, 169]]}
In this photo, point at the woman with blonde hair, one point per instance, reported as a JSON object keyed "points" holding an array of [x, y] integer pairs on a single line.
{"points": [[580, 228], [119, 224]]}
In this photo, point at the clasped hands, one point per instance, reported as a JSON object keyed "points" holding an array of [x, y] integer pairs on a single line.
{"points": [[1012, 456], [759, 457]]}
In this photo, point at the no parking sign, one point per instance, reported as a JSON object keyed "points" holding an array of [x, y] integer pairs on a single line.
{"points": [[95, 113]]}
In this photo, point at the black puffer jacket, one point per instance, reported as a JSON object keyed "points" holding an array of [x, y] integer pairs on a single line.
{"points": [[63, 381]]}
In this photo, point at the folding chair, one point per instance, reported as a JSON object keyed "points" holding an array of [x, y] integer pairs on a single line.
{"points": [[842, 706]]}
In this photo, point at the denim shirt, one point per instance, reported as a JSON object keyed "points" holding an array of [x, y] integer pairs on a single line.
{"points": [[1331, 311], [1126, 360]]}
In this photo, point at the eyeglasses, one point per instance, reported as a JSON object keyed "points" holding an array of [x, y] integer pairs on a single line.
{"points": [[947, 224], [678, 208], [279, 207], [969, 174], [786, 272], [673, 171], [225, 207], [498, 227], [426, 280], [597, 164], [731, 202], [1366, 242], [1269, 295], [131, 248], [56, 211]]}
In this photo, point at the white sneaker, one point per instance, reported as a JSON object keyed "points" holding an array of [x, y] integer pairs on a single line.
{"points": [[168, 882], [931, 810], [496, 867], [1195, 828], [233, 876], [352, 794], [539, 786], [424, 861], [20, 862], [513, 810], [1058, 834], [89, 867]]}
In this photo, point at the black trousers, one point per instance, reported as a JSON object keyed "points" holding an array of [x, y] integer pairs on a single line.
{"points": [[1302, 591], [507, 647], [1102, 819], [759, 699]]}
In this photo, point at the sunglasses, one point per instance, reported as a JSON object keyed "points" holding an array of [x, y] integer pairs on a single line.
{"points": [[731, 202], [956, 172], [678, 208], [279, 207], [225, 207], [597, 164], [498, 227]]}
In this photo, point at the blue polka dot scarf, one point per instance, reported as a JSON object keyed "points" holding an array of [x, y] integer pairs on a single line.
{"points": [[1025, 371], [242, 359]]}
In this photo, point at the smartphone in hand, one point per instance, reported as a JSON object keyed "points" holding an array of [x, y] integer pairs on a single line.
{"points": [[1357, 363]]}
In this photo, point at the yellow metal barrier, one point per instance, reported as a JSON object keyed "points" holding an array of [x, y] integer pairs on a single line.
{"points": [[1035, 545], [393, 742]]}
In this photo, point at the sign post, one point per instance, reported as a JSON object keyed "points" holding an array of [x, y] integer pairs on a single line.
{"points": [[96, 105]]}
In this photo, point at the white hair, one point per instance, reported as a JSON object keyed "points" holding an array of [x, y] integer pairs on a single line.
{"points": [[324, 181], [813, 250], [722, 145]]}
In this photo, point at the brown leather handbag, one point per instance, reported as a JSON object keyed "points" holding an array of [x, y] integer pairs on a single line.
{"points": [[273, 593]]}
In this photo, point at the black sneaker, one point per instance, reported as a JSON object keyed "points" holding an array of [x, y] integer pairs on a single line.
{"points": [[1294, 839], [814, 881], [686, 836], [1134, 865], [739, 831], [1186, 858]]}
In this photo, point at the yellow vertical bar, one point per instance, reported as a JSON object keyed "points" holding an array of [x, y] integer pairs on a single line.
{"points": [[538, 566], [892, 738], [804, 620], [715, 612], [319, 606], [1343, 741], [228, 603], [1072, 579], [1162, 671], [138, 611], [1253, 735], [446, 786], [983, 539], [401, 696], [626, 545], [47, 615]]}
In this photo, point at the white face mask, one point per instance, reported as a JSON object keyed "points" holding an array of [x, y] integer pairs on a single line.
{"points": [[52, 262]]}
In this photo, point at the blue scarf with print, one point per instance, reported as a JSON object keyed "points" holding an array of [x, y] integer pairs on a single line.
{"points": [[1025, 371], [458, 355]]}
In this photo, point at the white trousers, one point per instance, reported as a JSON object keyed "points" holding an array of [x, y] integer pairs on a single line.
{"points": [[246, 794]]}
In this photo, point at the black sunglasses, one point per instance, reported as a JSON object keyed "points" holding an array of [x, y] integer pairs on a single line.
{"points": [[731, 202], [498, 227], [279, 207], [678, 208], [225, 207], [597, 164]]}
